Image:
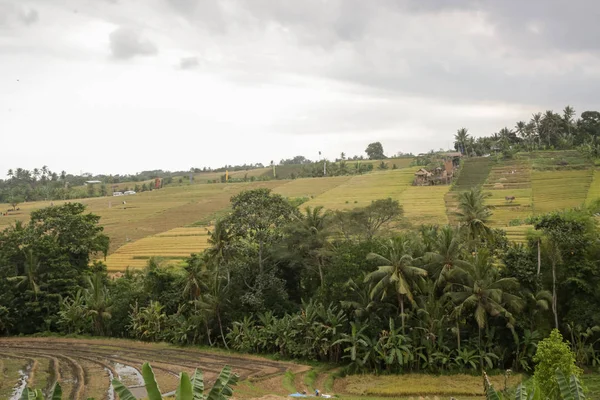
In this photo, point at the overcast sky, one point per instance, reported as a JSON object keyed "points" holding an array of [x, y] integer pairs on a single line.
{"points": [[121, 86]]}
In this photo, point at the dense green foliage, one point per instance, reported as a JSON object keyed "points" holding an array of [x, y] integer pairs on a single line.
{"points": [[346, 287], [552, 355], [547, 131]]}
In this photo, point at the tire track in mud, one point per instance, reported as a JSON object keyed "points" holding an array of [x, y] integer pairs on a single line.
{"points": [[71, 361]]}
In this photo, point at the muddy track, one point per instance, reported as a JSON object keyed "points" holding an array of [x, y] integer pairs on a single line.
{"points": [[73, 361]]}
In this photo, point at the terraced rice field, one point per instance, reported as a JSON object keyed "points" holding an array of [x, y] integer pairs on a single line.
{"points": [[425, 204], [361, 190], [173, 246], [509, 179], [152, 212], [517, 233], [557, 190], [555, 160], [84, 368], [310, 187], [474, 172], [594, 192], [204, 177]]}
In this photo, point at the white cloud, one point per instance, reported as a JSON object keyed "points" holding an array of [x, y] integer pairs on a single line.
{"points": [[273, 79]]}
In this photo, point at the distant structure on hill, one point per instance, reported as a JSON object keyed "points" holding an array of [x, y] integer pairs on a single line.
{"points": [[440, 172]]}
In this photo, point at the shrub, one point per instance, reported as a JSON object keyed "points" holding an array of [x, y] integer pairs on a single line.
{"points": [[553, 354]]}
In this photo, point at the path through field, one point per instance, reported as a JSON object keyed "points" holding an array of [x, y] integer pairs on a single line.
{"points": [[84, 368]]}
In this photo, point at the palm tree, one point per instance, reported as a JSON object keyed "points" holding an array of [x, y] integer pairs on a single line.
{"points": [[445, 254], [195, 278], [29, 273], [473, 215], [477, 286], [568, 114], [315, 231], [460, 139], [552, 251], [396, 273], [221, 247], [98, 302], [10, 173], [536, 120], [213, 300], [520, 129]]}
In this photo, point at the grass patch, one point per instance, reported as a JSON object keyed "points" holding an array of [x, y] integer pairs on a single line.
{"points": [[594, 192], [310, 378], [288, 381], [420, 385], [592, 385]]}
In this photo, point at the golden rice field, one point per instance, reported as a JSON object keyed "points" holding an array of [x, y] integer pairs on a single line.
{"points": [[594, 192], [557, 190], [419, 385], [361, 190], [149, 213], [425, 204], [310, 187], [517, 233], [174, 246]]}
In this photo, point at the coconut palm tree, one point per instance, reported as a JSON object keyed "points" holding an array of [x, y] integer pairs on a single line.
{"points": [[195, 278], [477, 287], [396, 274], [221, 247], [460, 139], [473, 215], [216, 297], [446, 252], [568, 114], [98, 302], [28, 275], [552, 252]]}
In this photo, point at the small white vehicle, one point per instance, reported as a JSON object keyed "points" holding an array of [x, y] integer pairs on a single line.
{"points": [[118, 194], [129, 192]]}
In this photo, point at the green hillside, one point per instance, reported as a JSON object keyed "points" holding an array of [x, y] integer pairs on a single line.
{"points": [[539, 182]]}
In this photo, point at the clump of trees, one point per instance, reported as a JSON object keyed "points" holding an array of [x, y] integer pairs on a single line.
{"points": [[544, 131], [360, 287]]}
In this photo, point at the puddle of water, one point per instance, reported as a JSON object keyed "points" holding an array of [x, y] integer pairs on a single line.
{"points": [[18, 391], [128, 375], [111, 391]]}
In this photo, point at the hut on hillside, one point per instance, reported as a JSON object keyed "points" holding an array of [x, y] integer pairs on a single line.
{"points": [[422, 177]]}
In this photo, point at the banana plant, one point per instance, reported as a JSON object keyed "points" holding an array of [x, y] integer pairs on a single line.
{"points": [[570, 389], [188, 389], [36, 394]]}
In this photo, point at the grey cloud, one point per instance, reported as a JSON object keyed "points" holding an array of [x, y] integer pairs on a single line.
{"points": [[188, 62], [28, 17], [126, 43], [208, 13]]}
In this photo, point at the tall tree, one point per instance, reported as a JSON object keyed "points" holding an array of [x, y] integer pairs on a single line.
{"points": [[446, 253], [461, 139], [473, 215], [375, 151], [258, 216], [98, 302], [477, 287], [396, 274]]}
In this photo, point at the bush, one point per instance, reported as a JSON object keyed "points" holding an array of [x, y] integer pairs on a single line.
{"points": [[553, 354]]}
